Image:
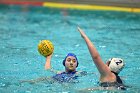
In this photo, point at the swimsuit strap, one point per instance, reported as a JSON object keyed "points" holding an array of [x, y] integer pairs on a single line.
{"points": [[118, 78], [118, 84]]}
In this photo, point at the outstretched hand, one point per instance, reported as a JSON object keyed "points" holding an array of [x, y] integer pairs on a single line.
{"points": [[81, 32], [50, 56]]}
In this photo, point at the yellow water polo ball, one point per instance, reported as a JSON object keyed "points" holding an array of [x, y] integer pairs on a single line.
{"points": [[45, 47]]}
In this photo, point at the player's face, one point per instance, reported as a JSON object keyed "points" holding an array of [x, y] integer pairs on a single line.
{"points": [[71, 63]]}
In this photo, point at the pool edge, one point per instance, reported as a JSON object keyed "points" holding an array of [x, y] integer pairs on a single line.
{"points": [[76, 6]]}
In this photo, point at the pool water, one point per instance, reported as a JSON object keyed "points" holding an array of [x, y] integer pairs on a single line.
{"points": [[115, 34]]}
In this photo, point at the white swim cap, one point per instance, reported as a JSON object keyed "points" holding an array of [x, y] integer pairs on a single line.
{"points": [[116, 64]]}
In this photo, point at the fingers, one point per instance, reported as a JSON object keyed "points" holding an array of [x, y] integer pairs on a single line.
{"points": [[79, 29], [49, 57]]}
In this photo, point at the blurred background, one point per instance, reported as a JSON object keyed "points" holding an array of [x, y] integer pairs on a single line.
{"points": [[112, 25]]}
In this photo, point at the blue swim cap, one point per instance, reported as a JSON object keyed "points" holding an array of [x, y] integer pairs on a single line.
{"points": [[70, 54]]}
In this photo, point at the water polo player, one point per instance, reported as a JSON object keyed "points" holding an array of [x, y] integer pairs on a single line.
{"points": [[71, 63], [109, 78]]}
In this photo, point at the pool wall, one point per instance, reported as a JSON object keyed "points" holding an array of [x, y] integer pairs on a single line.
{"points": [[109, 5]]}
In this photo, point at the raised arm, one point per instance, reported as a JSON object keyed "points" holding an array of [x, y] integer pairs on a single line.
{"points": [[48, 65], [48, 62], [102, 68]]}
